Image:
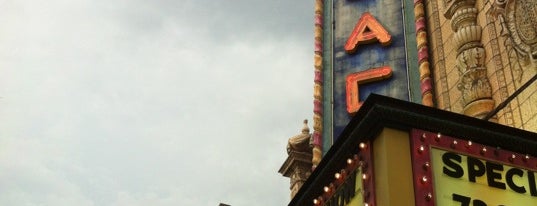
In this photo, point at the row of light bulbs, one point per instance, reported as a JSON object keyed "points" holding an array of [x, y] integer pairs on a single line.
{"points": [[342, 175]]}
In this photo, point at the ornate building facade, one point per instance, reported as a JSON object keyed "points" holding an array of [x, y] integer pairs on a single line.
{"points": [[481, 53], [472, 57]]}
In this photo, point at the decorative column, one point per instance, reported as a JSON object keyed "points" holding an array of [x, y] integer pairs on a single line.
{"points": [[473, 83], [297, 166], [318, 86], [423, 54]]}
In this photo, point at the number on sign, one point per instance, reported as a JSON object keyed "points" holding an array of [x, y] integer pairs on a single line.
{"points": [[465, 201]]}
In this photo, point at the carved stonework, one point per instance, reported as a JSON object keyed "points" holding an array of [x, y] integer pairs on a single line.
{"points": [[298, 164], [299, 176], [522, 24], [518, 19], [300, 142], [470, 58], [474, 85], [438, 60], [298, 168], [499, 70]]}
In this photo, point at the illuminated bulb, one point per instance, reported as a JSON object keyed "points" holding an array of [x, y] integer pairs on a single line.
{"points": [[484, 150], [366, 204], [424, 179], [469, 144], [426, 166], [337, 175], [423, 137], [454, 144], [429, 196], [526, 158], [513, 157], [349, 161], [421, 149], [438, 137], [326, 189], [364, 176], [363, 145], [315, 201]]}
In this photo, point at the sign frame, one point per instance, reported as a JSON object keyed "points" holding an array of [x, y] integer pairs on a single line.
{"points": [[422, 144]]}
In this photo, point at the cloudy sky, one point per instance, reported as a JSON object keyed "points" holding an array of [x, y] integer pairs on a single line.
{"points": [[151, 102]]}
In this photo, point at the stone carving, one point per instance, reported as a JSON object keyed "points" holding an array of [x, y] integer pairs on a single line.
{"points": [[470, 58], [518, 20], [522, 24], [439, 61], [298, 164], [515, 60], [474, 85], [499, 69], [299, 176], [301, 142]]}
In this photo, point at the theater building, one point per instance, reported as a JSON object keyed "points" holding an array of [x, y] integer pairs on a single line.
{"points": [[456, 120]]}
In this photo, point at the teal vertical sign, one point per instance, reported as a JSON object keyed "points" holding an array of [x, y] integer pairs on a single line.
{"points": [[347, 68]]}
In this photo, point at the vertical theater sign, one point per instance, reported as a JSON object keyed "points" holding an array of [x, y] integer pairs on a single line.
{"points": [[367, 30], [368, 47]]}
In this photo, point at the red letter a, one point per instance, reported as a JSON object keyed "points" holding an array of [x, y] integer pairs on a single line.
{"points": [[367, 30]]}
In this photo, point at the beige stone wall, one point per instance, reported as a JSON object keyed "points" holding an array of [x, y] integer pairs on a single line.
{"points": [[505, 71]]}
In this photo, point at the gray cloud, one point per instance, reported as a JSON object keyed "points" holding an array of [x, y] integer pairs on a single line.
{"points": [[151, 103]]}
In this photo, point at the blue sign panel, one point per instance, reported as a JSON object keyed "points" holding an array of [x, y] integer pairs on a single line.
{"points": [[360, 56]]}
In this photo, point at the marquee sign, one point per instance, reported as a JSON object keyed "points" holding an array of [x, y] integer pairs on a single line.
{"points": [[452, 171], [382, 158]]}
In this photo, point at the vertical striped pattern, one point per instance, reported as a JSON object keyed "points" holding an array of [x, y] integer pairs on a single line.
{"points": [[318, 86], [423, 54]]}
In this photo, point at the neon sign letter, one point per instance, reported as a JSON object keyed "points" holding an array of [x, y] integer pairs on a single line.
{"points": [[367, 30], [355, 79]]}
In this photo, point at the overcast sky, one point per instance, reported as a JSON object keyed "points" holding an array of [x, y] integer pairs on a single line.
{"points": [[151, 102]]}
